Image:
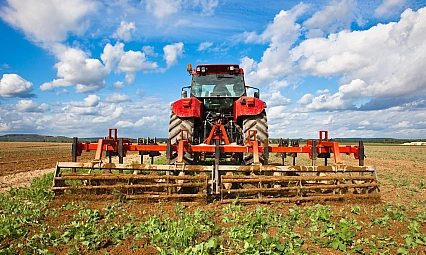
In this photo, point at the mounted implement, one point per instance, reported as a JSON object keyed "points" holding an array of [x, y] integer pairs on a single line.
{"points": [[218, 149]]}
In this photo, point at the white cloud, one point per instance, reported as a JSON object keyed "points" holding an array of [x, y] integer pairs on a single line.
{"points": [[118, 85], [332, 18], [130, 78], [388, 7], [31, 106], [306, 99], [365, 123], [204, 46], [328, 121], [130, 62], [140, 92], [13, 85], [382, 64], [133, 61], [5, 127], [89, 101], [75, 67], [144, 121], [125, 31], [117, 98], [402, 124], [109, 113], [248, 64], [49, 21], [163, 8], [281, 34], [172, 52], [277, 99], [149, 51], [207, 6], [112, 55], [325, 102]]}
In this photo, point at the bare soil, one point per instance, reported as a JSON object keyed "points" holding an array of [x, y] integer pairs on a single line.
{"points": [[401, 172]]}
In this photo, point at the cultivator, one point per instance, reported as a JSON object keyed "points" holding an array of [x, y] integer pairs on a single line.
{"points": [[212, 176]]}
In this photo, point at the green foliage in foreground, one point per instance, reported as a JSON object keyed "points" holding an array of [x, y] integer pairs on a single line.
{"points": [[231, 229]]}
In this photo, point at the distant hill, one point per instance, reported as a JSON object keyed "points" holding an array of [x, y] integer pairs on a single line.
{"points": [[34, 138], [45, 138]]}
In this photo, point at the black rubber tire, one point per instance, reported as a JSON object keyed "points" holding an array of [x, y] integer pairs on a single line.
{"points": [[177, 124], [260, 124], [256, 122]]}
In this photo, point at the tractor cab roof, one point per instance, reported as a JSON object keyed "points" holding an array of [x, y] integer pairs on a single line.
{"points": [[206, 69]]}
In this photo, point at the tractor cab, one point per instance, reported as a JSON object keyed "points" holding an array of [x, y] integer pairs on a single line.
{"points": [[217, 86]]}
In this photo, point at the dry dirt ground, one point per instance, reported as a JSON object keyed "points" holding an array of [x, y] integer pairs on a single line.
{"points": [[401, 172]]}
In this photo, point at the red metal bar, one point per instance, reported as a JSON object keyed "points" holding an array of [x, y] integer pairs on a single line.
{"points": [[218, 132], [99, 149], [210, 148]]}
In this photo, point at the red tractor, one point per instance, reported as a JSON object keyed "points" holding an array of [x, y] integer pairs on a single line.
{"points": [[218, 100], [219, 121]]}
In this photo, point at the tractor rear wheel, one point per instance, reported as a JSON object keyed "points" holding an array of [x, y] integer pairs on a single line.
{"points": [[260, 124], [176, 125]]}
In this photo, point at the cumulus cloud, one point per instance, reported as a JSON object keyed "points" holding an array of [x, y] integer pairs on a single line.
{"points": [[130, 62], [48, 21], [388, 7], [75, 67], [117, 98], [382, 64], [111, 55], [125, 31], [332, 18], [89, 101], [277, 99], [109, 113], [133, 61], [118, 85], [31, 106], [172, 52], [281, 34], [91, 105], [13, 85], [144, 121]]}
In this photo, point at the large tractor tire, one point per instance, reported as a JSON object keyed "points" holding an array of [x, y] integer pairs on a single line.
{"points": [[176, 125], [260, 124]]}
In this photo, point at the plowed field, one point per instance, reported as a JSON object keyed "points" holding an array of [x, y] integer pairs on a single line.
{"points": [[106, 225]]}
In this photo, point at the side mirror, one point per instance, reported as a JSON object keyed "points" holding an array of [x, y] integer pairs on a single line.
{"points": [[184, 94], [256, 94]]}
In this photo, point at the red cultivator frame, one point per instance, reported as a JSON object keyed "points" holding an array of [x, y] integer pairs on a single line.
{"points": [[219, 179]]}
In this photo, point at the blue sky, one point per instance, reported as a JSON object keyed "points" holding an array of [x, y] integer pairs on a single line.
{"points": [[79, 67]]}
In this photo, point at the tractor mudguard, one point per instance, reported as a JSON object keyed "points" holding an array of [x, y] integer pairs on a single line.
{"points": [[248, 106], [188, 107]]}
